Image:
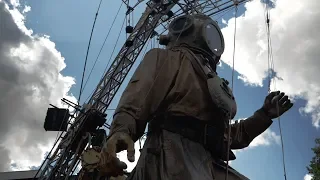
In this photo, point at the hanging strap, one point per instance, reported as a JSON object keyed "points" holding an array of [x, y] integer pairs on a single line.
{"points": [[200, 66]]}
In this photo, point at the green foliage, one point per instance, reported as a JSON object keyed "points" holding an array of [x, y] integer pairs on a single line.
{"points": [[314, 167]]}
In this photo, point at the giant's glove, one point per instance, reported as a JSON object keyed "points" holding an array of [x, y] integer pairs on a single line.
{"points": [[275, 102], [110, 165]]}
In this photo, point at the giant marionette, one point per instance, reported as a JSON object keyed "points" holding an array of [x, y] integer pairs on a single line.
{"points": [[187, 107]]}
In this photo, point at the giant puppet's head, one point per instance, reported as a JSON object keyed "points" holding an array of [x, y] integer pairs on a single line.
{"points": [[198, 32]]}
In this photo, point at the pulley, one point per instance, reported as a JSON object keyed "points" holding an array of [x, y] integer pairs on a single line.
{"points": [[129, 29]]}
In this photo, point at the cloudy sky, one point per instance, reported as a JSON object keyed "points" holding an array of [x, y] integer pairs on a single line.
{"points": [[42, 51]]}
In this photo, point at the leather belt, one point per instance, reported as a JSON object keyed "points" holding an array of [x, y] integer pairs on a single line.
{"points": [[208, 135]]}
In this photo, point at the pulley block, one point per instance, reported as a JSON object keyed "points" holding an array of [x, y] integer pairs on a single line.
{"points": [[129, 29]]}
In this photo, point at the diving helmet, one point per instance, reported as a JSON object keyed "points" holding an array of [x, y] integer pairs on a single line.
{"points": [[197, 31]]}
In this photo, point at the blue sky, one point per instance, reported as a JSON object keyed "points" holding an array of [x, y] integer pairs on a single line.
{"points": [[68, 23]]}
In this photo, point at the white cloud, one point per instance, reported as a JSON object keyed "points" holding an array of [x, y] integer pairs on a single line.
{"points": [[307, 177], [224, 21], [26, 9], [123, 156], [267, 138], [30, 80], [295, 43]]}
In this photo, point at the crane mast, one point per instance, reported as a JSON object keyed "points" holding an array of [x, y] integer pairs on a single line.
{"points": [[62, 161]]}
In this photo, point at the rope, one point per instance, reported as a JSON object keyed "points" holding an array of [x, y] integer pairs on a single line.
{"points": [[85, 62], [268, 37], [271, 67], [232, 83], [114, 47], [282, 147], [105, 39]]}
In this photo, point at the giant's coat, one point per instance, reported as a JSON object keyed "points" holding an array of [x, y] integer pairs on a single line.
{"points": [[166, 81]]}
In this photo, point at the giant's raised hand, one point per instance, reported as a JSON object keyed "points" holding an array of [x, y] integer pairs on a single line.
{"points": [[276, 103]]}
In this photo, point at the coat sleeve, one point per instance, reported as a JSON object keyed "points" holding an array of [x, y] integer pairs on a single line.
{"points": [[144, 93], [243, 133]]}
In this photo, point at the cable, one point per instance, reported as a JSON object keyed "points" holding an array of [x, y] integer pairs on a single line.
{"points": [[87, 53], [109, 58], [271, 67], [105, 39], [282, 146], [268, 39], [85, 62], [234, 46], [232, 82], [114, 47]]}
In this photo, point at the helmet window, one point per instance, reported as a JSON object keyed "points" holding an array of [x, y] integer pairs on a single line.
{"points": [[213, 38], [180, 25]]}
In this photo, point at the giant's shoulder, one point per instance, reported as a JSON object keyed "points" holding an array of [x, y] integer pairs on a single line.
{"points": [[161, 53]]}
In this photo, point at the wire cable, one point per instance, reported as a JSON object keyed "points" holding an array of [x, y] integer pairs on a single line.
{"points": [[105, 39], [88, 48], [268, 41], [109, 58], [114, 48], [282, 146], [232, 83], [270, 76]]}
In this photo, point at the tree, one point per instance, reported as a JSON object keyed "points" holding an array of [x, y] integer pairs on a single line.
{"points": [[314, 167]]}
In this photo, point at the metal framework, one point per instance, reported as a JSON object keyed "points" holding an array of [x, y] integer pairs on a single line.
{"points": [[64, 160]]}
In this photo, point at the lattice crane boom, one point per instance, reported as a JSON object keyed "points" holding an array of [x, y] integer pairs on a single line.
{"points": [[64, 160]]}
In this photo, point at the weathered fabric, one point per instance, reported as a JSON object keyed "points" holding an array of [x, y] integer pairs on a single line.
{"points": [[166, 81], [169, 156]]}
